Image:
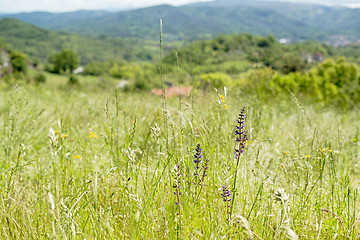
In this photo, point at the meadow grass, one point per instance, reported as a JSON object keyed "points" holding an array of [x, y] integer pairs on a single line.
{"points": [[85, 163]]}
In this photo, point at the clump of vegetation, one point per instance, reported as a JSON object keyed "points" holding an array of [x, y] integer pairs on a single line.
{"points": [[40, 78], [97, 68], [214, 80], [18, 62], [73, 79]]}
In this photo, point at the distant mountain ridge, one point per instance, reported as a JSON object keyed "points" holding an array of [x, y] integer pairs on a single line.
{"points": [[207, 19]]}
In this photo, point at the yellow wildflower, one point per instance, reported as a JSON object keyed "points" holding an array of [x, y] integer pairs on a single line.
{"points": [[329, 150], [323, 150], [77, 156], [225, 106], [93, 135], [249, 142], [56, 131], [222, 98], [307, 156], [285, 153], [65, 136]]}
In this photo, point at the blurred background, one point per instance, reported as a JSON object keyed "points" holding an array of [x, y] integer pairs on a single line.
{"points": [[228, 42]]}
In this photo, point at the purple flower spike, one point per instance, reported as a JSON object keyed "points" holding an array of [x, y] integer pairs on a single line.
{"points": [[198, 156], [201, 166], [240, 134], [226, 196]]}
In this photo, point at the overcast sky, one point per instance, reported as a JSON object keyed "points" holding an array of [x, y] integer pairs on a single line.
{"points": [[72, 5], [11, 6]]}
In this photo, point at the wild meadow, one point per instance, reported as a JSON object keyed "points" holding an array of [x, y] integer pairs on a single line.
{"points": [[265, 147], [82, 162]]}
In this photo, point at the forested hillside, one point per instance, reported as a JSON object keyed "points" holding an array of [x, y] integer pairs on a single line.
{"points": [[54, 21], [41, 43], [206, 20]]}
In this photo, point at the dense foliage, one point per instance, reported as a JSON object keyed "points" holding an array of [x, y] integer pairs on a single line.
{"points": [[235, 54], [331, 82]]}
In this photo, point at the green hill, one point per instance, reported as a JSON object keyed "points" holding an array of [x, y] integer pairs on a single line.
{"points": [[206, 20], [193, 22], [228, 53], [54, 21], [41, 43]]}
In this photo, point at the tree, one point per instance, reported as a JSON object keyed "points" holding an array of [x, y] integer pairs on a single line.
{"points": [[65, 61], [18, 62]]}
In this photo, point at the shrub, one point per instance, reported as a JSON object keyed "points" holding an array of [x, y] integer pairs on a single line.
{"points": [[96, 68], [115, 71], [40, 78], [18, 62], [258, 82], [214, 80], [73, 79]]}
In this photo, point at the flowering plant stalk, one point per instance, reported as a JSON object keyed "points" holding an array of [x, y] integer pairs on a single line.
{"points": [[177, 194], [197, 178], [240, 143], [176, 186], [226, 196]]}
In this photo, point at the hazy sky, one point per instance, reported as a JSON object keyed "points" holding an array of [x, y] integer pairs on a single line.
{"points": [[7, 6], [72, 5]]}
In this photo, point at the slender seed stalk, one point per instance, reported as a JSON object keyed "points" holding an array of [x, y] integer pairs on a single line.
{"points": [[178, 78]]}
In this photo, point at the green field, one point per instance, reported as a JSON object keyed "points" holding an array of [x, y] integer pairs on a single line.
{"points": [[90, 162]]}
